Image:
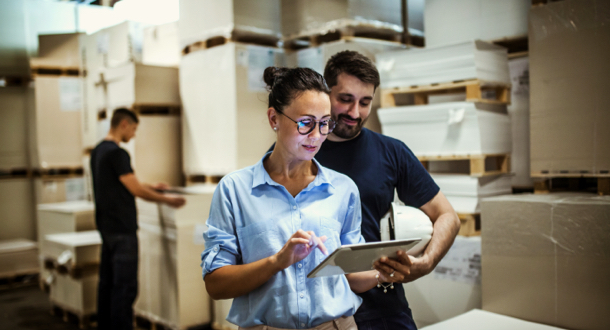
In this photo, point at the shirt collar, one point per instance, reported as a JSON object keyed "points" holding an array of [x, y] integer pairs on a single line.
{"points": [[262, 177]]}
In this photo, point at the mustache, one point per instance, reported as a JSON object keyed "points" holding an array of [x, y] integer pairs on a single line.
{"points": [[359, 120]]}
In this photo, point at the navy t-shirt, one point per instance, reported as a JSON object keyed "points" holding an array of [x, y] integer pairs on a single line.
{"points": [[115, 206], [378, 164]]}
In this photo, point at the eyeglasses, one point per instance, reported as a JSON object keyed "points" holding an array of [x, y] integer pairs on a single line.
{"points": [[306, 126]]}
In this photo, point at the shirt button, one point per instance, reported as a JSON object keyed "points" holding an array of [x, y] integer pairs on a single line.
{"points": [[300, 265], [301, 295], [302, 325], [216, 249], [294, 207]]}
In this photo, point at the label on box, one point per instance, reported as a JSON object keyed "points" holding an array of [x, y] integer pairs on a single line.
{"points": [[75, 189], [259, 58], [462, 262], [70, 94], [311, 58], [198, 234]]}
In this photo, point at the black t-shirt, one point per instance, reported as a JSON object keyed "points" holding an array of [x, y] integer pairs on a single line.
{"points": [[115, 206], [378, 164]]}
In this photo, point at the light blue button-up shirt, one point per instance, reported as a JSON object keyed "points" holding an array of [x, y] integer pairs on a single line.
{"points": [[252, 217]]}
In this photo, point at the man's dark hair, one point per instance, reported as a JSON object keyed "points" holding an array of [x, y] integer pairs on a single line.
{"points": [[352, 63], [123, 113], [286, 84]]}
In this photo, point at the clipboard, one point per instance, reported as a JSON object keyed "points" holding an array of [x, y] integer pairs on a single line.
{"points": [[356, 258]]}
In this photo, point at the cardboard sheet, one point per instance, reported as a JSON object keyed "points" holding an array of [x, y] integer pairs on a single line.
{"points": [[483, 320], [18, 257], [465, 192]]}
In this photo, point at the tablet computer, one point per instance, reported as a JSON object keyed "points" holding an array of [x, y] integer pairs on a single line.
{"points": [[356, 258]]}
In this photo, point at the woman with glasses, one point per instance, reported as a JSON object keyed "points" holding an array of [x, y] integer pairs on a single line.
{"points": [[272, 223]]}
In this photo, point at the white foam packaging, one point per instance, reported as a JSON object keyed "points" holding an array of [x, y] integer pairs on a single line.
{"points": [[225, 125], [477, 319], [161, 45], [200, 20], [458, 275], [73, 249], [18, 257], [453, 128], [453, 21], [465, 192], [464, 61]]}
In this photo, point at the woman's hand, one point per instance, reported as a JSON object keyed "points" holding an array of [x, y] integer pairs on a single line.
{"points": [[299, 246]]}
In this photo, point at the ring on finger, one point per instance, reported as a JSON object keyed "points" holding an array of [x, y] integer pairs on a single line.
{"points": [[392, 274]]}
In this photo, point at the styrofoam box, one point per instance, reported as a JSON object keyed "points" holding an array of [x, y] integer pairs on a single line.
{"points": [[200, 20], [18, 257], [455, 128], [458, 275], [464, 61], [477, 319], [465, 192], [134, 83], [316, 57], [17, 218], [161, 45], [225, 124], [76, 295], [15, 102], [453, 21], [56, 139], [84, 247]]}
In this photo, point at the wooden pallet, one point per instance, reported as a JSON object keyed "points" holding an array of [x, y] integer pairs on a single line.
{"points": [[69, 315], [470, 224], [194, 179], [476, 91], [58, 172], [480, 165], [156, 109], [14, 81], [545, 183], [236, 36], [19, 279], [15, 173], [516, 46], [56, 71], [522, 189]]}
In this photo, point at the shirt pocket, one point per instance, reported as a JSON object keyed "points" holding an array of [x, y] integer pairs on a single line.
{"points": [[259, 240], [330, 228]]}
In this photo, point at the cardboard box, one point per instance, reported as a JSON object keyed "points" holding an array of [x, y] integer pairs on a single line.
{"points": [[457, 275], [72, 250], [465, 192], [59, 189], [453, 128], [18, 257], [545, 258], [569, 100], [201, 20], [232, 106], [171, 284], [519, 113], [477, 319], [161, 45], [306, 16], [55, 133], [58, 51], [16, 103], [17, 217], [316, 57], [78, 296], [449, 21], [469, 60]]}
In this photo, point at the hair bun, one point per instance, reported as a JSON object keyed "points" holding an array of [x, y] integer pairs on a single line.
{"points": [[271, 75]]}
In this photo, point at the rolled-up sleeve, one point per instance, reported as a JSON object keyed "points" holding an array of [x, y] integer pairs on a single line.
{"points": [[351, 231], [221, 247]]}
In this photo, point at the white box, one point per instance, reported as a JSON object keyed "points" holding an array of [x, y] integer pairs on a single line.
{"points": [[73, 249], [481, 320], [519, 112], [17, 217], [465, 61], [67, 217], [55, 133], [161, 45], [78, 296], [455, 128], [232, 106], [465, 192], [18, 257], [453, 21], [458, 275], [200, 20]]}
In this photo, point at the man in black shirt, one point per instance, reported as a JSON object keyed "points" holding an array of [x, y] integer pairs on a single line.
{"points": [[380, 165], [115, 187]]}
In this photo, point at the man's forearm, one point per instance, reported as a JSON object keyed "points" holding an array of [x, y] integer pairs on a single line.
{"points": [[446, 228]]}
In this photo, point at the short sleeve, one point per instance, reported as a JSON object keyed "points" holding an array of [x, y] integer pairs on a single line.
{"points": [[121, 162], [415, 186], [220, 239], [351, 232]]}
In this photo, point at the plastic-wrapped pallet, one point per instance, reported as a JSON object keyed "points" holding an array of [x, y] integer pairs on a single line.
{"points": [[453, 21], [458, 275], [59, 189], [18, 257], [465, 61], [453, 128], [172, 291], [17, 217], [201, 20], [161, 45], [465, 192], [316, 58], [16, 103], [232, 106]]}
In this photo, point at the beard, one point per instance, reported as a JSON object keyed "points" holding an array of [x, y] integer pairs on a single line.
{"points": [[348, 132]]}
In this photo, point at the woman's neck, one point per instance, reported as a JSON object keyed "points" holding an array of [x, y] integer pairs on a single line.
{"points": [[293, 174]]}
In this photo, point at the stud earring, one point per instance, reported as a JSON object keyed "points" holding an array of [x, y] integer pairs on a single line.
{"points": [[275, 128]]}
